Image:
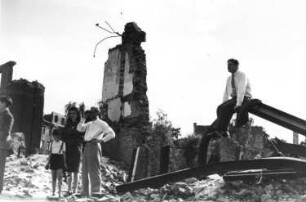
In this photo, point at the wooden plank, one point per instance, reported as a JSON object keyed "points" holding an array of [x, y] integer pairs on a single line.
{"points": [[134, 162]]}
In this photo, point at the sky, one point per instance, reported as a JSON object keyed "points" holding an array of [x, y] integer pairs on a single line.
{"points": [[188, 44]]}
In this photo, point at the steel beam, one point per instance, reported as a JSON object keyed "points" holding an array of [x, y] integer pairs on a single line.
{"points": [[289, 149], [259, 175], [278, 117], [298, 165]]}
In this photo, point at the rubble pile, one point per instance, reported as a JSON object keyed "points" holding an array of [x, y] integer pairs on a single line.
{"points": [[27, 177], [112, 175]]}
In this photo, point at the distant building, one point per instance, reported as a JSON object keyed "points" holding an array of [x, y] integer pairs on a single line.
{"points": [[50, 122], [199, 129], [56, 119]]}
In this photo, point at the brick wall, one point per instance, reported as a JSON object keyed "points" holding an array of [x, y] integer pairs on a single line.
{"points": [[125, 103]]}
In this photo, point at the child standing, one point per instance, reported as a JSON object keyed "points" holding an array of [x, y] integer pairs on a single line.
{"points": [[56, 161]]}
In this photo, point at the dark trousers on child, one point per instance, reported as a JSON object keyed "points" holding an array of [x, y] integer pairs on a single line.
{"points": [[91, 168]]}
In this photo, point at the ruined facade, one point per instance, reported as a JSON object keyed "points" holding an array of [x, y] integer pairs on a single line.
{"points": [[28, 105], [125, 103]]}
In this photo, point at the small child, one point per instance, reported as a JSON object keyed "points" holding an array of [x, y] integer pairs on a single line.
{"points": [[56, 161]]}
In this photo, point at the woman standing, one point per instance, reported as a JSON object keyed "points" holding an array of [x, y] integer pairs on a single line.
{"points": [[73, 140]]}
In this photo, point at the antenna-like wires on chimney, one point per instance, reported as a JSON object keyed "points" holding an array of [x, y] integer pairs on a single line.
{"points": [[116, 34]]}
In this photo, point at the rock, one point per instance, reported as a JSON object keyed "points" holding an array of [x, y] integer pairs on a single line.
{"points": [[140, 199], [241, 194], [36, 165], [191, 180], [24, 162], [26, 192], [144, 191], [215, 177], [29, 169], [108, 199], [81, 200], [127, 197], [155, 197], [229, 149], [181, 189]]}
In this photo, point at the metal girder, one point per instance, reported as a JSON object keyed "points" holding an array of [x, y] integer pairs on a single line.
{"points": [[289, 149], [259, 174], [298, 165], [278, 117]]}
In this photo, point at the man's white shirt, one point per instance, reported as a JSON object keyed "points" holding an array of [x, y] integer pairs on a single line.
{"points": [[96, 130], [243, 87]]}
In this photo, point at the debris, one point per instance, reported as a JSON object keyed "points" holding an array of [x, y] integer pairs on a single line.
{"points": [[127, 197], [26, 178]]}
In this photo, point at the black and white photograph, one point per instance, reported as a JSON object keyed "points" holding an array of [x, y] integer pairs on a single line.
{"points": [[153, 100]]}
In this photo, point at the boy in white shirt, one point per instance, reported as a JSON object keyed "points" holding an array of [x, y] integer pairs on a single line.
{"points": [[57, 161]]}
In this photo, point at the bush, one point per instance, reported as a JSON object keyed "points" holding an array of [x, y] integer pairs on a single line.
{"points": [[162, 134]]}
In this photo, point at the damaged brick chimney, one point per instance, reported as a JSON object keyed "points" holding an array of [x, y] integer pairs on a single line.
{"points": [[125, 103]]}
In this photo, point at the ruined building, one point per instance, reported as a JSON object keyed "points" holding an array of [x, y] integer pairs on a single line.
{"points": [[125, 103], [28, 104]]}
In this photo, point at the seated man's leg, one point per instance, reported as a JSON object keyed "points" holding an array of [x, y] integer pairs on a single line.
{"points": [[242, 114], [242, 118], [225, 112]]}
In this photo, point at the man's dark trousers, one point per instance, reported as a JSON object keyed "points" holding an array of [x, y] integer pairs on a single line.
{"points": [[225, 112]]}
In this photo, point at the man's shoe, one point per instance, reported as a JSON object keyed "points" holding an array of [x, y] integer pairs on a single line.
{"points": [[80, 195], [68, 193]]}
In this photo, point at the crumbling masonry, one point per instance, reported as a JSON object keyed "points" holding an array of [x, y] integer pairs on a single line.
{"points": [[28, 105], [125, 103]]}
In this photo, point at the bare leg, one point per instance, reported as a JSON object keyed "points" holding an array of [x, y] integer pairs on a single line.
{"points": [[69, 182], [59, 177], [75, 182], [54, 176]]}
